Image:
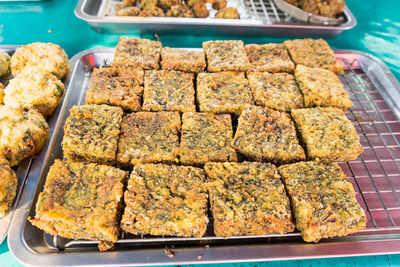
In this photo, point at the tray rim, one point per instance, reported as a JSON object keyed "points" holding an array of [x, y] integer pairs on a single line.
{"points": [[215, 254], [81, 14]]}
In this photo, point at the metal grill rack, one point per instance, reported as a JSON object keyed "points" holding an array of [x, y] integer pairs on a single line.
{"points": [[375, 176]]}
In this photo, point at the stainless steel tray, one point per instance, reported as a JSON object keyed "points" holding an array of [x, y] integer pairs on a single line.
{"points": [[258, 17], [375, 176]]}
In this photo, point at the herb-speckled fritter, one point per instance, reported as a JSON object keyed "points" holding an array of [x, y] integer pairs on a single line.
{"points": [[313, 53], [45, 57], [269, 57], [23, 133], [182, 60], [321, 88], [323, 201], [206, 137], [166, 200], [8, 187], [4, 64], [40, 90], [117, 86], [223, 92], [81, 201], [266, 134], [327, 134], [275, 90], [247, 199], [227, 13], [226, 56], [168, 90], [148, 137], [91, 133], [137, 52]]}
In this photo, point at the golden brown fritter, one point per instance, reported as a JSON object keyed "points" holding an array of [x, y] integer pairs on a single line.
{"points": [[327, 134], [266, 134], [247, 199], [228, 13], [182, 60], [323, 201], [81, 201], [219, 4], [206, 137], [128, 11], [117, 86], [200, 9], [8, 187], [169, 3], [180, 11], [1, 94], [4, 64], [166, 200], [149, 137], [91, 133]]}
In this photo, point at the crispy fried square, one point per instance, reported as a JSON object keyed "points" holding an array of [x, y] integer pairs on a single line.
{"points": [[81, 201], [266, 134], [91, 133], [116, 86], [269, 57], [168, 90], [149, 137], [323, 200], [223, 92], [275, 90], [321, 88], [166, 200], [247, 199], [314, 53], [206, 137], [182, 60], [327, 134], [136, 52], [226, 56]]}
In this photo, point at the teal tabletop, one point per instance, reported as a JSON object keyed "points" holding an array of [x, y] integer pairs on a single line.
{"points": [[377, 32]]}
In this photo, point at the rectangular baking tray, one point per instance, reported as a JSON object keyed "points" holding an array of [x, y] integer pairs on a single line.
{"points": [[258, 18], [375, 176]]}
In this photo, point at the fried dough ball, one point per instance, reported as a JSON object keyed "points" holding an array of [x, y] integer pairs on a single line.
{"points": [[228, 13], [148, 5], [180, 11], [169, 3], [4, 64], [200, 9], [219, 4], [124, 4]]}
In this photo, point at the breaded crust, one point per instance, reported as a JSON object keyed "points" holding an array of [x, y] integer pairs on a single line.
{"points": [[264, 134], [206, 137], [182, 60], [247, 199], [323, 201], [8, 187], [91, 133], [81, 201], [166, 200], [327, 134]]}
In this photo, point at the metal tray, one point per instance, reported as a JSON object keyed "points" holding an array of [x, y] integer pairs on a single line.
{"points": [[258, 17], [375, 176]]}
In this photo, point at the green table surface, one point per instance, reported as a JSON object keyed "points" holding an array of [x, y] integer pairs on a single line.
{"points": [[377, 32]]}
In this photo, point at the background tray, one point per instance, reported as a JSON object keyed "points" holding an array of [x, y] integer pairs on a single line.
{"points": [[375, 176], [258, 17]]}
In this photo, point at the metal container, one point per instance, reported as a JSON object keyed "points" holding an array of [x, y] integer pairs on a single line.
{"points": [[258, 18], [375, 176]]}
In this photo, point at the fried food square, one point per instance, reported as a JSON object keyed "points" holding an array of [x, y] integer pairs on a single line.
{"points": [[321, 88], [269, 57], [8, 187], [327, 134], [168, 90], [323, 200], [247, 199], [117, 86], [314, 53], [206, 137], [268, 135], [81, 201], [23, 133], [226, 56], [275, 90], [223, 92], [182, 60], [148, 137], [166, 200], [91, 133], [136, 52]]}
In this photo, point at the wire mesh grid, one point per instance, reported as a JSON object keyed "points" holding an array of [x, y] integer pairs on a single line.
{"points": [[375, 175]]}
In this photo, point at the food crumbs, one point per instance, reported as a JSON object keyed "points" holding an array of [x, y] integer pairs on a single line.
{"points": [[169, 252]]}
